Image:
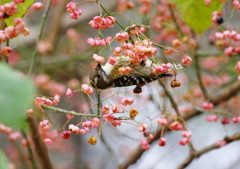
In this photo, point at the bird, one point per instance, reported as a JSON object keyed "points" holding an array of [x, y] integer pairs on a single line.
{"points": [[108, 76]]}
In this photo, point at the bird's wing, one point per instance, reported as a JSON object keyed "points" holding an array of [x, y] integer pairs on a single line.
{"points": [[142, 70]]}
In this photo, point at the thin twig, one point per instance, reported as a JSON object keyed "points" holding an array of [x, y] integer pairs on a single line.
{"points": [[59, 110], [174, 105], [99, 102], [199, 77], [174, 19], [34, 54], [105, 10]]}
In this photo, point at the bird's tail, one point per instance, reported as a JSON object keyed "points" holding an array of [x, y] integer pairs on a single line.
{"points": [[177, 66]]}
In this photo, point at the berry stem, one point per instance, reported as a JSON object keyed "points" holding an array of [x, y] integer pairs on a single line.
{"points": [[162, 131], [99, 102], [199, 77], [118, 23]]}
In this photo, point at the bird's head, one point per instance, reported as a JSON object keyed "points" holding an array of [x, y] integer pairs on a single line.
{"points": [[99, 78]]}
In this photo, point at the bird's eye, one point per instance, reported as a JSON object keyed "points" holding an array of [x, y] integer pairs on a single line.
{"points": [[98, 76]]}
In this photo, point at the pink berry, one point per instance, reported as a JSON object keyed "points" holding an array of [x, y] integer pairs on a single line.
{"points": [[150, 137], [236, 119], [48, 141], [44, 124], [98, 58], [95, 122], [66, 134], [162, 141], [5, 51], [207, 106], [142, 128], [130, 100], [124, 102], [176, 43], [237, 67], [117, 51], [186, 133], [82, 131], [115, 109], [87, 89], [120, 37], [105, 109], [184, 141], [175, 126], [112, 60], [212, 118], [229, 51], [91, 41], [186, 60], [145, 145], [71, 7], [37, 6], [225, 120], [122, 70], [162, 121], [69, 93]]}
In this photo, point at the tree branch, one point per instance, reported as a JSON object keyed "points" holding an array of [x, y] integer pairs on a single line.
{"points": [[197, 154], [39, 145]]}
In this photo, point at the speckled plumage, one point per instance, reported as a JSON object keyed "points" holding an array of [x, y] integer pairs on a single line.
{"points": [[108, 76]]}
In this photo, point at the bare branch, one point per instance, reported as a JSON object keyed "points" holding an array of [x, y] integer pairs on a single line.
{"points": [[197, 154], [39, 145]]}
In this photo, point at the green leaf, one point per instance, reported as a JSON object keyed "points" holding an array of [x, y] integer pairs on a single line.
{"points": [[22, 9], [16, 95], [195, 14], [3, 160]]}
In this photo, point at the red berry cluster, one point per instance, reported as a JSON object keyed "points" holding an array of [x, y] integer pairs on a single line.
{"points": [[94, 123], [217, 18], [236, 4], [13, 31], [102, 23], [72, 9], [99, 42], [231, 41], [39, 101], [176, 126], [9, 9]]}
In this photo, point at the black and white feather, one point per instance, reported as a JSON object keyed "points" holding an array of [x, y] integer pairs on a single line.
{"points": [[108, 76]]}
